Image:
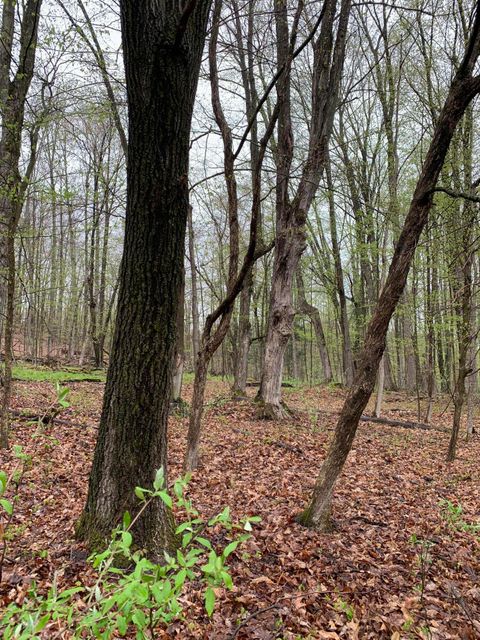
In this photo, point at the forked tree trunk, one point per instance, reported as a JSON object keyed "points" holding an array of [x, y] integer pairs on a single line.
{"points": [[463, 89], [162, 47], [288, 249], [291, 213]]}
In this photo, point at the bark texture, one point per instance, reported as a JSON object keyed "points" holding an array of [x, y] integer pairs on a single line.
{"points": [[163, 45]]}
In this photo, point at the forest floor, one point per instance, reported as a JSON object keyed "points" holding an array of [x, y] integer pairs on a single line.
{"points": [[398, 565]]}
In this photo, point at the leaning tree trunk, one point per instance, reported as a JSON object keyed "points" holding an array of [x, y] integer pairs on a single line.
{"points": [[162, 51], [462, 90]]}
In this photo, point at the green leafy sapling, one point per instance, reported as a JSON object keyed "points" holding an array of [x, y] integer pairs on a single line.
{"points": [[146, 595]]}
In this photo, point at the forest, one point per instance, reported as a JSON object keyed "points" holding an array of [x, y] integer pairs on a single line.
{"points": [[239, 319]]}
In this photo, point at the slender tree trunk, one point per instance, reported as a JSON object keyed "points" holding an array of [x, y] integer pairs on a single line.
{"points": [[347, 356], [13, 97], [464, 305], [243, 341], [463, 89], [247, 66], [314, 315], [8, 338]]}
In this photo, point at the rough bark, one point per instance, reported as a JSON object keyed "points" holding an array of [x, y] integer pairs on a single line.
{"points": [[179, 346], [162, 52], [193, 274], [463, 89]]}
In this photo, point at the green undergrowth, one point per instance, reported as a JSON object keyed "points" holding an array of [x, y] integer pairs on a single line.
{"points": [[29, 373]]}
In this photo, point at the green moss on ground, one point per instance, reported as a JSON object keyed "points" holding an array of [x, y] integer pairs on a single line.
{"points": [[28, 373]]}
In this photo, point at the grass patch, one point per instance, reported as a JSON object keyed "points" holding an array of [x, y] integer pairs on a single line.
{"points": [[44, 374]]}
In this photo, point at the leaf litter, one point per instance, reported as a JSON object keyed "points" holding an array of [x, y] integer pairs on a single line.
{"points": [[395, 566]]}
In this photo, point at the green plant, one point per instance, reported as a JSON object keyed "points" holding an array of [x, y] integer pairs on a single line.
{"points": [[344, 607], [43, 374], [146, 594], [452, 513], [425, 561]]}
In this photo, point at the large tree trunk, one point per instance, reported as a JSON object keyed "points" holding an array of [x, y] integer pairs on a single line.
{"points": [[462, 90], [162, 50]]}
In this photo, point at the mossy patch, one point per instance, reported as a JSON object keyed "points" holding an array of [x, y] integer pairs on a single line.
{"points": [[27, 373]]}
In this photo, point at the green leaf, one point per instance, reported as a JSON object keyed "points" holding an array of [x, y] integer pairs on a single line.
{"points": [[3, 482], [182, 527], [139, 619], [7, 506], [230, 548], [159, 481], [186, 539], [140, 493], [127, 519], [166, 499], [180, 578], [178, 488], [121, 625], [42, 623], [204, 542], [127, 538], [209, 601], [227, 579]]}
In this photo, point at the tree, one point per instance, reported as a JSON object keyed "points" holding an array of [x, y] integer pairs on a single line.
{"points": [[162, 45], [291, 213], [464, 87], [13, 186]]}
